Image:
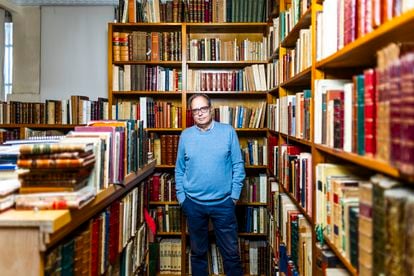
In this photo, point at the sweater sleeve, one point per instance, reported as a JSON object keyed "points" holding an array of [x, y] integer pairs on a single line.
{"points": [[238, 167], [179, 172]]}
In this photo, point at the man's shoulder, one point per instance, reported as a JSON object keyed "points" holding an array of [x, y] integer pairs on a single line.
{"points": [[188, 130], [223, 126]]}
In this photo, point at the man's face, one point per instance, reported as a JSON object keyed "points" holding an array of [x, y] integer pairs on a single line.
{"points": [[201, 112]]}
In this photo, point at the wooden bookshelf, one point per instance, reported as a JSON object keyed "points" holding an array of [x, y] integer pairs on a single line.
{"points": [[224, 31], [27, 234], [351, 59]]}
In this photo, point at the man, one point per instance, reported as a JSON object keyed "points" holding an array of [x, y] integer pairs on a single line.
{"points": [[209, 176]]}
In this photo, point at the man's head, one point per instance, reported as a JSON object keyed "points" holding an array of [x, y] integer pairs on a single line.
{"points": [[200, 106]]}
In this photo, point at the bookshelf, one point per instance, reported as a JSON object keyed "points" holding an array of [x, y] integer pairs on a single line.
{"points": [[28, 234], [297, 57], [349, 57], [245, 45]]}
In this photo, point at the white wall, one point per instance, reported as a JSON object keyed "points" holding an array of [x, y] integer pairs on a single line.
{"points": [[74, 51]]}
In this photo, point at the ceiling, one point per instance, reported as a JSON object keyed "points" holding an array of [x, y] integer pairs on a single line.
{"points": [[65, 2]]}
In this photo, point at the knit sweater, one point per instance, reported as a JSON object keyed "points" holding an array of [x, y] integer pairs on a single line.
{"points": [[209, 167]]}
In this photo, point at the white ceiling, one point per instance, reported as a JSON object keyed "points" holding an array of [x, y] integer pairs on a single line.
{"points": [[65, 2]]}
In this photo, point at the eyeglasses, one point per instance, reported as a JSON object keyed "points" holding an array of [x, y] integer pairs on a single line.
{"points": [[203, 110]]}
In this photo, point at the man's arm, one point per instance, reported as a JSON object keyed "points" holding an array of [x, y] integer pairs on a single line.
{"points": [[179, 172], [238, 167]]}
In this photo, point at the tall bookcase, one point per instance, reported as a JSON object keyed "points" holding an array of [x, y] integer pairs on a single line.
{"points": [[344, 46], [299, 58], [232, 88]]}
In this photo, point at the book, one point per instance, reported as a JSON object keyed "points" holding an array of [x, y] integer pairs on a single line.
{"points": [[55, 200], [46, 148]]}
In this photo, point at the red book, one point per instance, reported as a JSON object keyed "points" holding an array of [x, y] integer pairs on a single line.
{"points": [[407, 113], [155, 187], [114, 232], [370, 112]]}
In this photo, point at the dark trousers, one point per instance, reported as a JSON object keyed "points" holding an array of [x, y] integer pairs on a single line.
{"points": [[225, 228]]}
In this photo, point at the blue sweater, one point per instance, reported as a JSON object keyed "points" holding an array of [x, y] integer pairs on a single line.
{"points": [[209, 167]]}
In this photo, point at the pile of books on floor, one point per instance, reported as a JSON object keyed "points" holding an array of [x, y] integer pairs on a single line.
{"points": [[56, 175]]}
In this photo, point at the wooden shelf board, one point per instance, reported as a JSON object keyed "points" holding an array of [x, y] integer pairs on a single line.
{"points": [[48, 221], [367, 162], [232, 93], [165, 166], [362, 51], [164, 129], [147, 93], [345, 261], [304, 78], [244, 234], [146, 27], [297, 140], [301, 209], [169, 233], [254, 167], [39, 126], [251, 204], [152, 62], [226, 27], [223, 64], [163, 203]]}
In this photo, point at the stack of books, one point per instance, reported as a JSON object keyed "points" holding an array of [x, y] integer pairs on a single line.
{"points": [[56, 175]]}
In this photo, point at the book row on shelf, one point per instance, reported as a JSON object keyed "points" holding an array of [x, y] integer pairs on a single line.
{"points": [[95, 172], [192, 11], [76, 110]]}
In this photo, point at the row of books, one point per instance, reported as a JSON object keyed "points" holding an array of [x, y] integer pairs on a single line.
{"points": [[252, 219], [352, 19], [169, 256], [167, 218], [297, 59], [146, 46], [112, 239], [255, 257], [364, 217], [293, 112], [251, 78], [254, 153], [216, 49], [165, 148], [162, 187], [241, 116], [157, 114], [139, 77], [67, 172], [154, 11], [363, 115], [293, 237], [254, 189], [295, 173], [76, 110]]}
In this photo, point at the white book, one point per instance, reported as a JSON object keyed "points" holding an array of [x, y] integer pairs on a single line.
{"points": [[127, 77], [143, 110], [263, 187], [330, 30], [348, 103], [262, 74], [321, 86]]}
